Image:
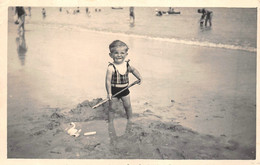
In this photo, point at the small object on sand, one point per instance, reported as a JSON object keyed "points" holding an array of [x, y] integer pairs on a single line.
{"points": [[89, 133], [73, 131], [148, 111], [55, 152]]}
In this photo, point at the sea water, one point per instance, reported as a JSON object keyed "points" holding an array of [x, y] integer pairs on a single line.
{"points": [[232, 28]]}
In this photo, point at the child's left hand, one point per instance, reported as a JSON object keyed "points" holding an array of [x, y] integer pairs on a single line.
{"points": [[139, 81]]}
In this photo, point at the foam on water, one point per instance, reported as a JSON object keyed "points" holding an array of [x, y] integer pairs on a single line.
{"points": [[172, 40]]}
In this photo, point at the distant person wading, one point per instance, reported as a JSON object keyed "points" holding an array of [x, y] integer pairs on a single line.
{"points": [[132, 14], [43, 12], [20, 18], [205, 17]]}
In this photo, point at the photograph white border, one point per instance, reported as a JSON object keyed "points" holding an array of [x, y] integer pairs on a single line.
{"points": [[4, 4]]}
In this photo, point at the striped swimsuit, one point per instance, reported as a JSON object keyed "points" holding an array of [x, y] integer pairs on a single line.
{"points": [[119, 79]]}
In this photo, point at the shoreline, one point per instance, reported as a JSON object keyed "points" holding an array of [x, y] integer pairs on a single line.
{"points": [[203, 44]]}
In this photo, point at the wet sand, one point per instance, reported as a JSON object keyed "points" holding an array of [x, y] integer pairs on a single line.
{"points": [[146, 138], [194, 103]]}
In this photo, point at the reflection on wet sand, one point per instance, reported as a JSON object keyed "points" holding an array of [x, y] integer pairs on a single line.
{"points": [[21, 47], [126, 145], [132, 24]]}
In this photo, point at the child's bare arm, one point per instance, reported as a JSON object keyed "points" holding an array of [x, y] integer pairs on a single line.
{"points": [[108, 82], [136, 74]]}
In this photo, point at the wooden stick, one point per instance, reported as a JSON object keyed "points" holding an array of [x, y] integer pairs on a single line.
{"points": [[104, 101]]}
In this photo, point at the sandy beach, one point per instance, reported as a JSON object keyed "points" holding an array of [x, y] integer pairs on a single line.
{"points": [[194, 103]]}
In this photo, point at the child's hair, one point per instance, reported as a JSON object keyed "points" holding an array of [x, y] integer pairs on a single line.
{"points": [[117, 43]]}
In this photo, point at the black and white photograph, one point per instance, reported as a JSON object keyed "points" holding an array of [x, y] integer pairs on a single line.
{"points": [[131, 82]]}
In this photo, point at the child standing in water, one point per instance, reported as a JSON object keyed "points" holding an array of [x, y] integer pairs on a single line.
{"points": [[117, 78], [132, 14]]}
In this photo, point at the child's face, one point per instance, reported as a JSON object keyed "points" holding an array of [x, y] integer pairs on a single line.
{"points": [[119, 54]]}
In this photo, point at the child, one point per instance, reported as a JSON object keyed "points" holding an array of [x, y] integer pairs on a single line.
{"points": [[117, 78]]}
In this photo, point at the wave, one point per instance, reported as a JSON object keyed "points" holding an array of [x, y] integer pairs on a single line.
{"points": [[172, 40]]}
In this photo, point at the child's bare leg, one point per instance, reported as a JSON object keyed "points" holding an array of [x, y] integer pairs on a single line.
{"points": [[111, 110], [127, 106]]}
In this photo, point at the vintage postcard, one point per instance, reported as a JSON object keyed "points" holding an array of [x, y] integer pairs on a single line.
{"points": [[149, 82]]}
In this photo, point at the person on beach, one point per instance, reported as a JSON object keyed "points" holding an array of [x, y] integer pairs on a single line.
{"points": [[20, 18], [43, 12], [206, 16], [117, 78], [132, 14], [76, 11], [29, 10], [88, 12], [171, 10]]}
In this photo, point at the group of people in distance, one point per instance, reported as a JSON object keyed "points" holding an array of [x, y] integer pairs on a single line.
{"points": [[205, 17]]}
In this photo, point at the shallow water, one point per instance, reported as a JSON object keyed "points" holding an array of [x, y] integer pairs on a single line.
{"points": [[233, 28]]}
